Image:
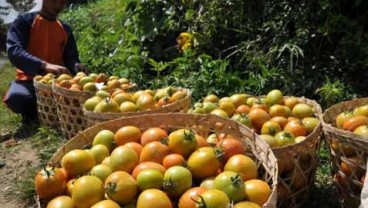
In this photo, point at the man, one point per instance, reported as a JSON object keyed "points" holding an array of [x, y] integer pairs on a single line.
{"points": [[38, 43]]}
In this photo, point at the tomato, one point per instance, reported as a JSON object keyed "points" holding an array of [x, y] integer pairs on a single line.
{"points": [[49, 183], [284, 138], [153, 198], [290, 102], [106, 204], [213, 139], [231, 184], [148, 165], [259, 105], [99, 152], [257, 191], [69, 187], [105, 137], [274, 97], [209, 106], [243, 165], [122, 97], [123, 158], [153, 134], [211, 98], [177, 180], [203, 162], [213, 198], [270, 140], [201, 141], [87, 191], [352, 123], [150, 179], [244, 109], [243, 119], [182, 141], [239, 99], [121, 187], [246, 204], [270, 127], [77, 162], [258, 118], [127, 134], [135, 146], [178, 96], [208, 183], [342, 117], [146, 102], [154, 151], [106, 161], [362, 131], [250, 101], [61, 202], [186, 200], [310, 123], [279, 110], [128, 106], [163, 101], [282, 121], [299, 139], [302, 110], [228, 107], [101, 172], [173, 160], [361, 110], [296, 128], [220, 112], [231, 147]]}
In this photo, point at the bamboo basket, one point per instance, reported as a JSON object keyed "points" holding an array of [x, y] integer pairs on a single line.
{"points": [[46, 105], [259, 150], [298, 164], [182, 105], [348, 151], [69, 110]]}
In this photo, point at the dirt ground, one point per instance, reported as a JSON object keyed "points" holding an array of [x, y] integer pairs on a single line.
{"points": [[19, 160]]}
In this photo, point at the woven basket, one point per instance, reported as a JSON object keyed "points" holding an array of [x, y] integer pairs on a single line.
{"points": [[299, 162], [69, 110], [182, 105], [343, 145], [259, 150], [46, 105]]}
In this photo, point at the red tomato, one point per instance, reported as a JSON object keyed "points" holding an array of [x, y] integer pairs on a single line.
{"points": [[231, 147], [153, 134], [49, 183], [186, 200]]}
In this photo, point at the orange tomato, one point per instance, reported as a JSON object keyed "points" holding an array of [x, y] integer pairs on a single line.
{"points": [[173, 160], [183, 141], [186, 200], [49, 183], [243, 109], [280, 120], [106, 204], [258, 118], [154, 151], [135, 146], [270, 127], [296, 128], [352, 123], [257, 191], [153, 134], [127, 134]]}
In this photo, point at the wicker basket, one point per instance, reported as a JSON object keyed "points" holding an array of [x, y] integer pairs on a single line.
{"points": [[259, 150], [69, 110], [182, 105], [298, 163], [46, 105], [343, 146]]}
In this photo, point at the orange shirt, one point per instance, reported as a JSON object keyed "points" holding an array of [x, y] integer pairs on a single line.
{"points": [[47, 42]]}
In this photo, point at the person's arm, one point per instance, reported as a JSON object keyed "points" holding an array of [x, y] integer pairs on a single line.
{"points": [[17, 41], [71, 56]]}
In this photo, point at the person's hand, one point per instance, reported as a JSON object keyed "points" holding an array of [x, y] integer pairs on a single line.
{"points": [[54, 69]]}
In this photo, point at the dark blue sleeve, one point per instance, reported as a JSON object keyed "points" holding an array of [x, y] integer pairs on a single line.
{"points": [[17, 42], [70, 56]]}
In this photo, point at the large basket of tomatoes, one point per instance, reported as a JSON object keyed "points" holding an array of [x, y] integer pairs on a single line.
{"points": [[46, 105], [345, 127], [291, 127], [119, 103], [162, 160]]}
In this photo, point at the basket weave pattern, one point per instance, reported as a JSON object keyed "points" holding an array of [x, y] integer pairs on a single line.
{"points": [[69, 110], [348, 151], [46, 105], [182, 105], [297, 164], [203, 124]]}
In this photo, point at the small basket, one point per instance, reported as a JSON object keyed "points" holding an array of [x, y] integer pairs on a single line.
{"points": [[348, 151], [182, 105], [299, 162], [69, 109], [259, 150], [46, 105]]}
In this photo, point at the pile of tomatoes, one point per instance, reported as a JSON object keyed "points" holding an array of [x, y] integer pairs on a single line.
{"points": [[153, 168]]}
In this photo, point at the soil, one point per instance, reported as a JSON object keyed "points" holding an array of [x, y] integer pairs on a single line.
{"points": [[19, 160]]}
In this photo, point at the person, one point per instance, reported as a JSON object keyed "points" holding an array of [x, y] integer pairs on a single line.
{"points": [[38, 43]]}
